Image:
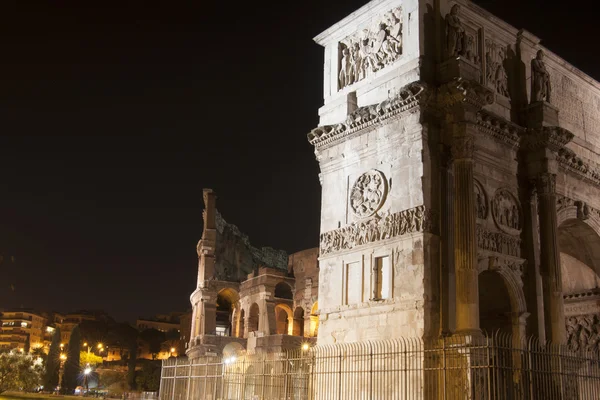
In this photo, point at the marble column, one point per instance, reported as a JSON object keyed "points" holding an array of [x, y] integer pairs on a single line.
{"points": [[465, 241], [554, 313], [447, 278]]}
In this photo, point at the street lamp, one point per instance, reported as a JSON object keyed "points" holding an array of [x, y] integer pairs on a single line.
{"points": [[86, 373]]}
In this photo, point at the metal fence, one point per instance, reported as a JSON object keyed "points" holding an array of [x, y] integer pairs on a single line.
{"points": [[466, 367]]}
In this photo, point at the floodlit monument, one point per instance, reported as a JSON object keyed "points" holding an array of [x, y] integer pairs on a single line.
{"points": [[460, 179], [459, 251]]}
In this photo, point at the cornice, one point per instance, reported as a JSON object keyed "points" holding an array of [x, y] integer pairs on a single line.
{"points": [[586, 169], [553, 138], [464, 91], [500, 129], [409, 98]]}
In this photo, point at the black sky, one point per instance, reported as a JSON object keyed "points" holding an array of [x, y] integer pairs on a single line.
{"points": [[115, 115]]}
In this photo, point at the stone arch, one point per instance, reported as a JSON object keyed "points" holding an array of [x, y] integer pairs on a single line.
{"points": [[506, 293], [298, 328], [579, 239], [283, 291], [284, 319], [314, 320], [253, 318], [227, 298]]}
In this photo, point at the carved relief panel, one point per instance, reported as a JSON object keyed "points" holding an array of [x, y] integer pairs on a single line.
{"points": [[495, 67], [481, 202], [506, 212], [370, 49], [368, 193], [583, 332]]}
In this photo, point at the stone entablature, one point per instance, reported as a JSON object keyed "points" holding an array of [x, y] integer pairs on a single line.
{"points": [[415, 220], [409, 98]]}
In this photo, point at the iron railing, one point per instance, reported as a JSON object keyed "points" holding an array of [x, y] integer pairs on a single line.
{"points": [[459, 367]]}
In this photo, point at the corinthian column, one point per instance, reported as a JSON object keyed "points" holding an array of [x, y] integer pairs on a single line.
{"points": [[554, 313], [465, 243]]}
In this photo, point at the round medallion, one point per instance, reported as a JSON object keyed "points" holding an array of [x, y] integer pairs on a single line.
{"points": [[506, 211], [368, 193]]}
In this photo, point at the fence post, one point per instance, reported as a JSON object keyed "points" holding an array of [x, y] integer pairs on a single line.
{"points": [[285, 375], [444, 368], [340, 379], [174, 380], [243, 378], [371, 371], [189, 382], [160, 384], [223, 380]]}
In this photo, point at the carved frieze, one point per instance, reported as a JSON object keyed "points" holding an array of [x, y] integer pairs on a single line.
{"points": [[586, 169], [506, 211], [499, 128], [464, 91], [418, 219], [481, 201], [553, 138], [495, 72], [501, 262], [584, 210], [371, 49], [368, 193], [498, 242], [408, 98], [583, 332]]}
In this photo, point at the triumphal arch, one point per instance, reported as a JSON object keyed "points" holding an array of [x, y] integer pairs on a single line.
{"points": [[460, 179]]}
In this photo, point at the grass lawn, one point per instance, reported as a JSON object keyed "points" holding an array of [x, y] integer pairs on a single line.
{"points": [[33, 396]]}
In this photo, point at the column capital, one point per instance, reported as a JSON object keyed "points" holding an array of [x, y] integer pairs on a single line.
{"points": [[463, 147], [545, 184], [466, 92]]}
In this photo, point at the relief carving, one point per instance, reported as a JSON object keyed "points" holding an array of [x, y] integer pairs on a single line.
{"points": [[368, 193], [471, 52], [505, 210], [481, 203], [495, 73], [583, 210], [583, 332], [540, 79], [371, 50], [498, 242], [455, 33], [418, 219], [463, 147]]}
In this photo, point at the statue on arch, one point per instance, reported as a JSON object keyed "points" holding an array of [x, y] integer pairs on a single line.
{"points": [[455, 33], [540, 79]]}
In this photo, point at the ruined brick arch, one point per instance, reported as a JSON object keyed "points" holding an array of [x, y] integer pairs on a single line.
{"points": [[284, 319], [227, 304], [283, 291], [253, 318], [314, 320], [298, 328]]}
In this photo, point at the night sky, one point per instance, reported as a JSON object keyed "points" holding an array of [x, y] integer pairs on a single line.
{"points": [[115, 114]]}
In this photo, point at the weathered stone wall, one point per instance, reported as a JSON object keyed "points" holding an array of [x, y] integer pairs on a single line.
{"points": [[235, 257]]}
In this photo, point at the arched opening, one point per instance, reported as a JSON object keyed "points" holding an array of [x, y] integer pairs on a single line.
{"points": [[579, 248], [283, 319], [495, 308], [241, 324], [253, 318], [283, 291], [226, 300], [298, 328], [314, 320]]}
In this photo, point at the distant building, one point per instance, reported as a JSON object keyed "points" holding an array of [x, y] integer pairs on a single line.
{"points": [[22, 329], [163, 323], [248, 298], [66, 322]]}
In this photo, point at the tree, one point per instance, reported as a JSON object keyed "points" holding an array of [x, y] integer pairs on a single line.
{"points": [[53, 363], [148, 379], [19, 371], [90, 359], [154, 338], [72, 370]]}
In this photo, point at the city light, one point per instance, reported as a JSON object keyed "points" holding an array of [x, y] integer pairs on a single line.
{"points": [[87, 370], [63, 356], [305, 347]]}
